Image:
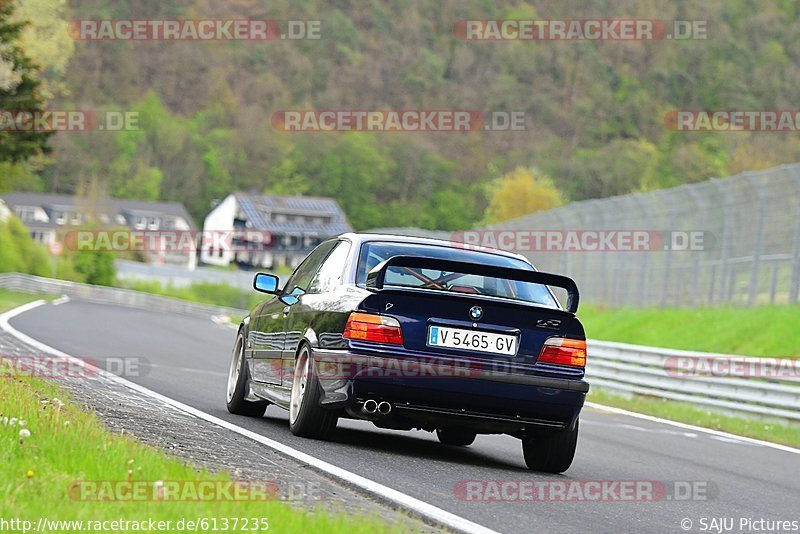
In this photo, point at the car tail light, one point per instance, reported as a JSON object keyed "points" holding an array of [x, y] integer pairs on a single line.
{"points": [[372, 327], [564, 351]]}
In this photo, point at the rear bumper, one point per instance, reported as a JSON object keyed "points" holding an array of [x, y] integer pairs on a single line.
{"points": [[446, 393]]}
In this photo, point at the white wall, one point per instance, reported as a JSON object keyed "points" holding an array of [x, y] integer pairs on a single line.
{"points": [[219, 220]]}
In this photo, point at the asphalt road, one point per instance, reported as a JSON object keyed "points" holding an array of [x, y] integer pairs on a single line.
{"points": [[188, 358]]}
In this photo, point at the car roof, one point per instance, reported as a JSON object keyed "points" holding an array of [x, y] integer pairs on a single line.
{"points": [[366, 237]]}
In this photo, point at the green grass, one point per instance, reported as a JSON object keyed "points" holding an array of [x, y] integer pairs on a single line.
{"points": [[786, 433], [761, 331], [203, 292], [12, 299], [67, 445]]}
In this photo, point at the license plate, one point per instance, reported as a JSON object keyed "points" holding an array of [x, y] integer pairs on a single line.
{"points": [[457, 338]]}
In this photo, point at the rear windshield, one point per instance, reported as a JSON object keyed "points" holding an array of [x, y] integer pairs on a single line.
{"points": [[373, 253]]}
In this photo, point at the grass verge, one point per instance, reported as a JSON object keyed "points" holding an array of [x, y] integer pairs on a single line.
{"points": [[65, 446], [785, 433], [772, 331], [12, 299], [47, 447], [203, 292]]}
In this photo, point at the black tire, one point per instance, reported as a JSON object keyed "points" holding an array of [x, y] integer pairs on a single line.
{"points": [[455, 436], [307, 418], [551, 452], [237, 404]]}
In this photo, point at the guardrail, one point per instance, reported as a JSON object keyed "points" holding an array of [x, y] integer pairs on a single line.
{"points": [[619, 367], [26, 283], [689, 377]]}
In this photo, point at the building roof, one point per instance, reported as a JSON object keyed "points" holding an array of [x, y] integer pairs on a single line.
{"points": [[256, 208], [109, 206]]}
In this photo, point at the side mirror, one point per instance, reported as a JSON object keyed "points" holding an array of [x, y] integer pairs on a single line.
{"points": [[266, 283]]}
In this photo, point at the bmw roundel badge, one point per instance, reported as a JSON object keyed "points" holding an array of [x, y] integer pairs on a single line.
{"points": [[475, 313]]}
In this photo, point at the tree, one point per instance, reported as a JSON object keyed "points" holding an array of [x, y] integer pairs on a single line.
{"points": [[519, 193], [46, 39], [95, 266], [19, 91], [19, 252]]}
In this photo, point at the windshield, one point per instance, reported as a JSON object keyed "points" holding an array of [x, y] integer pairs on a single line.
{"points": [[373, 253]]}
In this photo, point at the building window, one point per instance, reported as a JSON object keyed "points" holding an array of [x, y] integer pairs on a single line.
{"points": [[25, 214]]}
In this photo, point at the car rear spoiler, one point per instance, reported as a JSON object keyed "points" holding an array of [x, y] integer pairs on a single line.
{"points": [[376, 276]]}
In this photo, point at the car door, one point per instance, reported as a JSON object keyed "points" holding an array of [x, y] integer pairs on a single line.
{"points": [[314, 301], [265, 339], [268, 336]]}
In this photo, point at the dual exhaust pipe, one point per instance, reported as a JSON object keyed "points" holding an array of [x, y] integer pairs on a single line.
{"points": [[371, 407]]}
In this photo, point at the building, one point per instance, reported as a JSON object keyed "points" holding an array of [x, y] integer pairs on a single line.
{"points": [[49, 217], [270, 231]]}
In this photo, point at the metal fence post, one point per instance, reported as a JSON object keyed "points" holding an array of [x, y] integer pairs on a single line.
{"points": [[701, 209], [644, 255], [673, 215], [726, 239], [794, 289], [752, 290]]}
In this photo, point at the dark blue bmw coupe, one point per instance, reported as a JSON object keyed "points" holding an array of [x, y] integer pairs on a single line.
{"points": [[417, 333]]}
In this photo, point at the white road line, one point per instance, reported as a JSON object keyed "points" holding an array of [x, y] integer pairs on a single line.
{"points": [[224, 321], [716, 433], [407, 502], [63, 299]]}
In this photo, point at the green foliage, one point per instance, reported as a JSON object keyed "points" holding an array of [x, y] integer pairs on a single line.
{"points": [[19, 90], [96, 267], [19, 253], [520, 192], [594, 110], [47, 41]]}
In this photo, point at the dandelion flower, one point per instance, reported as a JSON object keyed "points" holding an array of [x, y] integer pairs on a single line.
{"points": [[29, 474]]}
